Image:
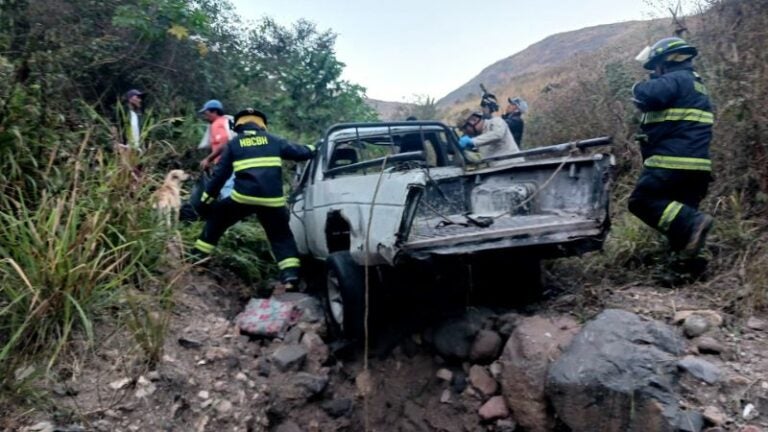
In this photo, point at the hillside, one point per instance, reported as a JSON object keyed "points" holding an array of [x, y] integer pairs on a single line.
{"points": [[387, 110], [554, 51]]}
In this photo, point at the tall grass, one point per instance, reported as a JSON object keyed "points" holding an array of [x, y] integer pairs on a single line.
{"points": [[67, 256]]}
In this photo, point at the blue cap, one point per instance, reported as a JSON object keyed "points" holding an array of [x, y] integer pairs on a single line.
{"points": [[134, 92], [212, 105]]}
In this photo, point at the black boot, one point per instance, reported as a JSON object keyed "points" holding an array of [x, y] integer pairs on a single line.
{"points": [[698, 237]]}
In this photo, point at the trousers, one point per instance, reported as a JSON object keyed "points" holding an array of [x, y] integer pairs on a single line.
{"points": [[668, 200], [275, 220]]}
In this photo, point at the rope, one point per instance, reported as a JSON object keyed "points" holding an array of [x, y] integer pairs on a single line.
{"points": [[366, 347], [533, 195]]}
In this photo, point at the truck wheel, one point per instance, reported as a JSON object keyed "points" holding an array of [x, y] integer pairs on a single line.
{"points": [[345, 296]]}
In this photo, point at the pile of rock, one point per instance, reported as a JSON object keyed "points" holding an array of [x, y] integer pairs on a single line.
{"points": [[619, 372]]}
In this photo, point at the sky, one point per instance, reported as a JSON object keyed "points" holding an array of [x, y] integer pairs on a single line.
{"points": [[399, 48]]}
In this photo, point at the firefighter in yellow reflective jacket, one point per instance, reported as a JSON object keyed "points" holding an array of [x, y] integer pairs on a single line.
{"points": [[255, 157], [677, 130]]}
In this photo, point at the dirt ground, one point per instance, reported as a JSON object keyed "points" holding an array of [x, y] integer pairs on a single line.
{"points": [[210, 378]]}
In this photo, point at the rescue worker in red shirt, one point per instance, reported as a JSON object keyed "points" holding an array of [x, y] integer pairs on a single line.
{"points": [[255, 157], [677, 125]]}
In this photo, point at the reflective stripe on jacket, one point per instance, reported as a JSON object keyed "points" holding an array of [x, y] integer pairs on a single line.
{"points": [[255, 157], [677, 120]]}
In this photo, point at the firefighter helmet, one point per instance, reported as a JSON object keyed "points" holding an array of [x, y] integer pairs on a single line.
{"points": [[247, 116], [667, 50]]}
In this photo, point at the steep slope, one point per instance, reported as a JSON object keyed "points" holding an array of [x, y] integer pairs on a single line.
{"points": [[552, 52]]}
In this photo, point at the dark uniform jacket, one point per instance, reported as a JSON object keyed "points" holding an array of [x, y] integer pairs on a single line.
{"points": [[677, 120], [255, 157], [515, 123]]}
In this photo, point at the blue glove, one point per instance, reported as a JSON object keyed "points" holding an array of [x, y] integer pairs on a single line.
{"points": [[465, 142]]}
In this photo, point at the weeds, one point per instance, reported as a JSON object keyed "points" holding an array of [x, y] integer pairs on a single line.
{"points": [[70, 256]]}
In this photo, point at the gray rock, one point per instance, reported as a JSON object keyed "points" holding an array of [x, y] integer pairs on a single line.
{"points": [[709, 345], [289, 357], [445, 396], [224, 407], [288, 426], [695, 325], [700, 369], [485, 347], [103, 426], [62, 389], [338, 407], [317, 349], [690, 421], [715, 415], [311, 385], [189, 343], [293, 336], [617, 375], [754, 323], [506, 426], [453, 339], [40, 427], [459, 381], [263, 367], [444, 375]]}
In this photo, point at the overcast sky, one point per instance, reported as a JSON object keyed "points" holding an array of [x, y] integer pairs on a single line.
{"points": [[398, 48]]}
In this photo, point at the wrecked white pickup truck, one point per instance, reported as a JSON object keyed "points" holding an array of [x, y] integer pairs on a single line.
{"points": [[391, 195]]}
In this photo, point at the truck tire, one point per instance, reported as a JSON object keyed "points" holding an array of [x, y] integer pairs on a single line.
{"points": [[345, 296]]}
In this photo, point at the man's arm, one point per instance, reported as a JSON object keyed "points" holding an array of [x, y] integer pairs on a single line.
{"points": [[655, 94], [494, 134], [220, 176], [295, 152], [205, 163]]}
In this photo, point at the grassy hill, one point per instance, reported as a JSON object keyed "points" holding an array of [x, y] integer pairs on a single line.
{"points": [[553, 62]]}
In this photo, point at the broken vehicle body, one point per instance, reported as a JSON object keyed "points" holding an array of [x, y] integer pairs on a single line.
{"points": [[419, 207], [386, 194]]}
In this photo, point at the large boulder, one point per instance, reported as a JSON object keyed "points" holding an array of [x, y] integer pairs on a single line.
{"points": [[617, 375], [532, 346]]}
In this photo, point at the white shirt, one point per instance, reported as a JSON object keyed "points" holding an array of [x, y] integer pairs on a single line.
{"points": [[134, 140], [496, 139]]}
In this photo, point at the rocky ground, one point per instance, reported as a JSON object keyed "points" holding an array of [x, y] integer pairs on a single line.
{"points": [[665, 361]]}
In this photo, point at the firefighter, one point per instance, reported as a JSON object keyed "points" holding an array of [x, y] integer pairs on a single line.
{"points": [[677, 129], [255, 157]]}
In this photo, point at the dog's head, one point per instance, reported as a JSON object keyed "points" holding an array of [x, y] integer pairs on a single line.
{"points": [[176, 176]]}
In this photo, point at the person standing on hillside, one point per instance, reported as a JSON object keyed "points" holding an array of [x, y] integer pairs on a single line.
{"points": [[677, 131], [218, 135], [132, 122], [255, 157], [513, 115]]}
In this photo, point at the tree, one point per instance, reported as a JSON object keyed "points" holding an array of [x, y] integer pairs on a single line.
{"points": [[296, 74]]}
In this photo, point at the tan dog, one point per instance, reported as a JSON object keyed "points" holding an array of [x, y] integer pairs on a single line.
{"points": [[168, 196]]}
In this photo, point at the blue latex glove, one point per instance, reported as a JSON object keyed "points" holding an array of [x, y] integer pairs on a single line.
{"points": [[465, 142]]}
